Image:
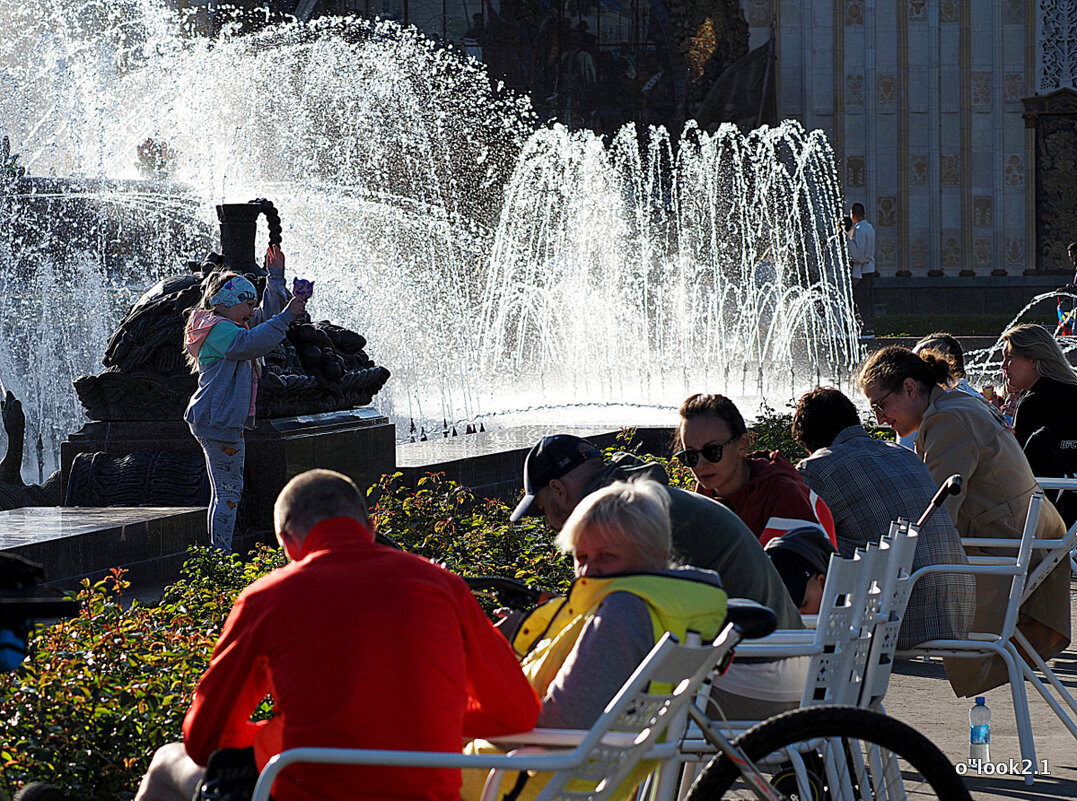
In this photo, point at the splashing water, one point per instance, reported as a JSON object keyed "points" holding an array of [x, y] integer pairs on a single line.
{"points": [[984, 365], [494, 264]]}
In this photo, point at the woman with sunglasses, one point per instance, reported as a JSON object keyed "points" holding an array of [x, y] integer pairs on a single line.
{"points": [[957, 433], [764, 489]]}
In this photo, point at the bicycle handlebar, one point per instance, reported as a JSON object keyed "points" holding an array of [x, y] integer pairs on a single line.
{"points": [[513, 593], [951, 486], [14, 611]]}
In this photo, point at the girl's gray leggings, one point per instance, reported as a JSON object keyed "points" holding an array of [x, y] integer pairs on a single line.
{"points": [[224, 461]]}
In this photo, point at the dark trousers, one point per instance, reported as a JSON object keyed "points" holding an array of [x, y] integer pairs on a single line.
{"points": [[864, 298]]}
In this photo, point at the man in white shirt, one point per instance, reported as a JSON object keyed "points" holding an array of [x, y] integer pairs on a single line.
{"points": [[862, 261]]}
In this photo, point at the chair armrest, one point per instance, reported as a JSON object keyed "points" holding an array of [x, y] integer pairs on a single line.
{"points": [[991, 542], [557, 738], [988, 569], [779, 650], [779, 637], [1052, 483], [411, 759], [554, 738]]}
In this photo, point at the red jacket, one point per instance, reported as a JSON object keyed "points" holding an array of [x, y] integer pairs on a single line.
{"points": [[360, 646], [775, 499]]}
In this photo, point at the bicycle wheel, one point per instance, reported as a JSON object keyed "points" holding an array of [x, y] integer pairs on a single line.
{"points": [[834, 753]]}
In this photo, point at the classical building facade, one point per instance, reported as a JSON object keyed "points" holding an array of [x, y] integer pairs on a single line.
{"points": [[953, 121]]}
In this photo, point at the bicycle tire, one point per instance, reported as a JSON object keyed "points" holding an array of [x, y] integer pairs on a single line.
{"points": [[854, 728]]}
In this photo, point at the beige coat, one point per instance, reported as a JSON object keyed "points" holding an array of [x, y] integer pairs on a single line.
{"points": [[959, 434]]}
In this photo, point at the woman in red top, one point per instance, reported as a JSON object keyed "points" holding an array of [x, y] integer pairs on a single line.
{"points": [[764, 489]]}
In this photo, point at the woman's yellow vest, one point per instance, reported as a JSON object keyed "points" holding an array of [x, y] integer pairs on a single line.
{"points": [[547, 636]]}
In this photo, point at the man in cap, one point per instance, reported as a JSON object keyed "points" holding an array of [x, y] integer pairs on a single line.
{"points": [[802, 556], [561, 470]]}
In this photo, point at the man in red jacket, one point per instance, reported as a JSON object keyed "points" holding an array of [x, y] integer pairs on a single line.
{"points": [[360, 646]]}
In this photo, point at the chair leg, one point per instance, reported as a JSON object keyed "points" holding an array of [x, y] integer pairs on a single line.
{"points": [[689, 770], [1020, 706], [492, 785], [1068, 719], [664, 780]]}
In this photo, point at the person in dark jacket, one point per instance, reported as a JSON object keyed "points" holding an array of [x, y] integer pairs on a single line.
{"points": [[1044, 421], [1033, 361]]}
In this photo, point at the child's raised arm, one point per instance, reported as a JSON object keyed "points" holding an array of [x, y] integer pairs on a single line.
{"points": [[275, 295]]}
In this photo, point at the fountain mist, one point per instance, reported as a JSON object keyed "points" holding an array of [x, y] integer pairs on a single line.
{"points": [[494, 264]]}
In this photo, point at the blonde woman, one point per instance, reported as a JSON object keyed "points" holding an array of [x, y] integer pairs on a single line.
{"points": [[577, 651], [1033, 361]]}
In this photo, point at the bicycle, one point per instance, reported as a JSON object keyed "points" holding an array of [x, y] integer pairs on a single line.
{"points": [[822, 753]]}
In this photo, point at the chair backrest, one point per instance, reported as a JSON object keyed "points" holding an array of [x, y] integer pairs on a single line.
{"points": [[896, 585], [652, 706], [842, 641], [639, 718]]}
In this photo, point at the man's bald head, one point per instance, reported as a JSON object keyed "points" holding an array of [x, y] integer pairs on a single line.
{"points": [[312, 497]]}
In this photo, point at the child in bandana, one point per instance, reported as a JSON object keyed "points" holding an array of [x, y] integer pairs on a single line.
{"points": [[224, 347]]}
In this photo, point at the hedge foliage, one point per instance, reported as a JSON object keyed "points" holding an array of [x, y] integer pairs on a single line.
{"points": [[102, 691]]}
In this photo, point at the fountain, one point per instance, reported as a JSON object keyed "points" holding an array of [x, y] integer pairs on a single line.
{"points": [[504, 268]]}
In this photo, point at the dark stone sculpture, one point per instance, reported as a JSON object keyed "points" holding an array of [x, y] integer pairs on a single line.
{"points": [[140, 478], [14, 492], [318, 368]]}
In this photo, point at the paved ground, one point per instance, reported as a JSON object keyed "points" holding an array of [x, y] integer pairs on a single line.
{"points": [[920, 695]]}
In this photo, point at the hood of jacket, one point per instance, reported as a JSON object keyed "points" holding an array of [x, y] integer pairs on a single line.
{"points": [[622, 467], [678, 601], [202, 322]]}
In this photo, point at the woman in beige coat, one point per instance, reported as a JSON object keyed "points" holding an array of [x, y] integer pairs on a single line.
{"points": [[956, 433]]}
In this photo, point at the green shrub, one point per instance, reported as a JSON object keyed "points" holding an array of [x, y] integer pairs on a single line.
{"points": [[773, 431], [444, 521], [100, 692]]}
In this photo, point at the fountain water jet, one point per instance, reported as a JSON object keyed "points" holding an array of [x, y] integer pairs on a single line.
{"points": [[494, 264]]}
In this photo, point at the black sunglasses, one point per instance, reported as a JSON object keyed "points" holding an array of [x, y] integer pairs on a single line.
{"points": [[712, 452]]}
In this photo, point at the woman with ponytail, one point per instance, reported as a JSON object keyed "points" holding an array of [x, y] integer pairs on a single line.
{"points": [[957, 433]]}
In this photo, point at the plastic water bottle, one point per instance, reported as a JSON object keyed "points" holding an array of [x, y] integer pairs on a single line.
{"points": [[980, 732]]}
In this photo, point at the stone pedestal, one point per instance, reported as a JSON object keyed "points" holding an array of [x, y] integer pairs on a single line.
{"points": [[76, 543], [361, 443]]}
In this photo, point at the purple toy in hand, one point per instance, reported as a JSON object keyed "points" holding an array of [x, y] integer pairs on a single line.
{"points": [[302, 288]]}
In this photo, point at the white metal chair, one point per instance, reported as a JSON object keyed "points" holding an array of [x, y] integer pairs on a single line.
{"points": [[1054, 553], [637, 724], [895, 580], [855, 635], [852, 645], [1061, 485], [1001, 644]]}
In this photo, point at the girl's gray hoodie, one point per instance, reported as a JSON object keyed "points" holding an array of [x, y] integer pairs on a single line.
{"points": [[220, 407]]}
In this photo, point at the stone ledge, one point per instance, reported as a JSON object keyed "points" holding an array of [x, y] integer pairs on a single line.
{"points": [[491, 463], [73, 543]]}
